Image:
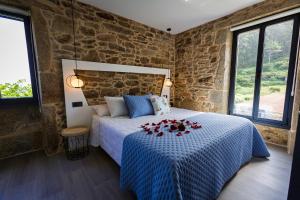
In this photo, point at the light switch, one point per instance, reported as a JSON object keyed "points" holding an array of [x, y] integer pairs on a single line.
{"points": [[77, 104]]}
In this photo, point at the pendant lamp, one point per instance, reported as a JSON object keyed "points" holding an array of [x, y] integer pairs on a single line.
{"points": [[74, 81]]}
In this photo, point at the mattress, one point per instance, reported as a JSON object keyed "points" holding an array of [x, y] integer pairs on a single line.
{"points": [[109, 133]]}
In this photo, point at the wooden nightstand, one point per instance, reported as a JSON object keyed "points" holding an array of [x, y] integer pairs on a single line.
{"points": [[76, 142]]}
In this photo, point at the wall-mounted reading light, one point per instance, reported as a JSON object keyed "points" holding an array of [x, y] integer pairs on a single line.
{"points": [[168, 82], [74, 80]]}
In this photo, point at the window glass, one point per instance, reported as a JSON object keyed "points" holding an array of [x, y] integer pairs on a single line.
{"points": [[246, 59], [277, 49], [15, 81]]}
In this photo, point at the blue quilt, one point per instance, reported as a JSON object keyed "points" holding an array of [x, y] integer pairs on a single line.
{"points": [[193, 166]]}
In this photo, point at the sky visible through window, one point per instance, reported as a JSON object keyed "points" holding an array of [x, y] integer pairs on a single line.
{"points": [[14, 64]]}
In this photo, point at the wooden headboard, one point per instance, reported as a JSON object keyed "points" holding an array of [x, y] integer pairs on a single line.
{"points": [[127, 77]]}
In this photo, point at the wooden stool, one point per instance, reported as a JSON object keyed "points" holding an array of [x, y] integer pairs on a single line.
{"points": [[76, 142]]}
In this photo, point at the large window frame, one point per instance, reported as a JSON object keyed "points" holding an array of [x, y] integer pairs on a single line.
{"points": [[289, 98], [34, 100]]}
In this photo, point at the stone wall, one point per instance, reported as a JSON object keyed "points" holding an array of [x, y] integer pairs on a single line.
{"points": [[203, 56], [100, 84], [20, 130], [101, 37]]}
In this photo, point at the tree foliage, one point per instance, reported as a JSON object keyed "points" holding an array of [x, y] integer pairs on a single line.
{"points": [[18, 89], [277, 44]]}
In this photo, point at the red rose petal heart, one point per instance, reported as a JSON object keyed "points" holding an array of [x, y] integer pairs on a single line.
{"points": [[172, 126]]}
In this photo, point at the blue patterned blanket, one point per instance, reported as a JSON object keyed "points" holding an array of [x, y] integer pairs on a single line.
{"points": [[193, 166]]}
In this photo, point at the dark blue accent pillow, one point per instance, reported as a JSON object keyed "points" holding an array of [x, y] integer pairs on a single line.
{"points": [[138, 105]]}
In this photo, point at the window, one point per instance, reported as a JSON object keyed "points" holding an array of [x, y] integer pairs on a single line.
{"points": [[17, 67], [262, 73]]}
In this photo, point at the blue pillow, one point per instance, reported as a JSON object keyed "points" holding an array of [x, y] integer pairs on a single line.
{"points": [[138, 105]]}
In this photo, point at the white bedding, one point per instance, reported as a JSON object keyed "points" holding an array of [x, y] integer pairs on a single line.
{"points": [[109, 132]]}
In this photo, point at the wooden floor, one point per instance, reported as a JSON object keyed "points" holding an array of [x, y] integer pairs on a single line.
{"points": [[35, 176]]}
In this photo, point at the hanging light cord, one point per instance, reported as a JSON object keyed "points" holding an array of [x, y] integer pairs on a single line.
{"points": [[74, 37]]}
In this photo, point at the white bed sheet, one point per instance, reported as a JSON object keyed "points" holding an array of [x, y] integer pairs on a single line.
{"points": [[109, 133]]}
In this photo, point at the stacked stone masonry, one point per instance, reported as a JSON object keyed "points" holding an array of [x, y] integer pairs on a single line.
{"points": [[100, 84]]}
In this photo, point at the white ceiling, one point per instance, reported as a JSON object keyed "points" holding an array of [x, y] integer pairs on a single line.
{"points": [[180, 15]]}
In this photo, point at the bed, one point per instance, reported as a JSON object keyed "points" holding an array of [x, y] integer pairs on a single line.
{"points": [[194, 166]]}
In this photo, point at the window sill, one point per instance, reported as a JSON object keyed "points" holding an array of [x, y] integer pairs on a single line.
{"points": [[18, 101], [267, 122]]}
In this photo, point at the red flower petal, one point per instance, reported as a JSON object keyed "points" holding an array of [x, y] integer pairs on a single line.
{"points": [[160, 134], [173, 127], [196, 126], [179, 134], [149, 133]]}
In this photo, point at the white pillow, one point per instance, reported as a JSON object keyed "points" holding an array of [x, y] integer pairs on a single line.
{"points": [[116, 106], [160, 105], [101, 110]]}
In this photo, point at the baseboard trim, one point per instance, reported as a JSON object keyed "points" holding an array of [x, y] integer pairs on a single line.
{"points": [[278, 145]]}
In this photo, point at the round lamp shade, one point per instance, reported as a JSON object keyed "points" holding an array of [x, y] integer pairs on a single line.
{"points": [[168, 82], [74, 81]]}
